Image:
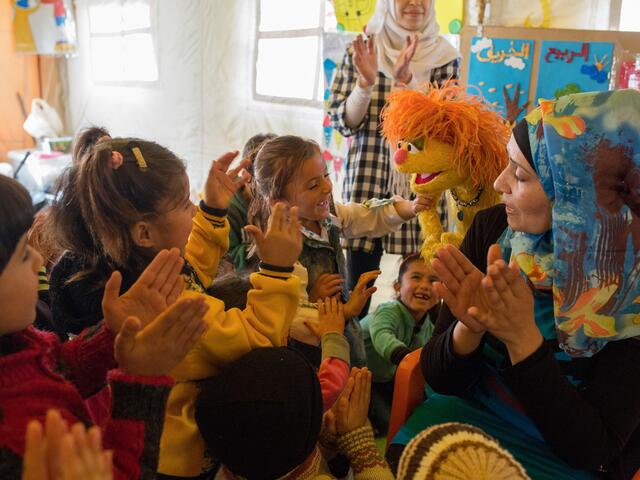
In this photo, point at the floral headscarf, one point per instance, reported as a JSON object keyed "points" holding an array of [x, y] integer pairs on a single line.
{"points": [[586, 151]]}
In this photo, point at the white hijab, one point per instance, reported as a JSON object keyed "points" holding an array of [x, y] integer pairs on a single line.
{"points": [[433, 50]]}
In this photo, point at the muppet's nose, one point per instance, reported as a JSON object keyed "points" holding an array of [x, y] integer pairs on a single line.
{"points": [[400, 156]]}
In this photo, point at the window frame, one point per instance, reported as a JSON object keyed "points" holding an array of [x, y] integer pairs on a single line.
{"points": [[152, 30], [318, 88]]}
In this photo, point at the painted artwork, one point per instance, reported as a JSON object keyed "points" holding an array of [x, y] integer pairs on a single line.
{"points": [[44, 27], [449, 15], [501, 69], [335, 146], [353, 15], [573, 67]]}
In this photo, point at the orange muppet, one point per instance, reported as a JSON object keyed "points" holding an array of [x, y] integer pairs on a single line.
{"points": [[449, 140]]}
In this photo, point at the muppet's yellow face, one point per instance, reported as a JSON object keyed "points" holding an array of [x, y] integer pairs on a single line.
{"points": [[431, 162]]}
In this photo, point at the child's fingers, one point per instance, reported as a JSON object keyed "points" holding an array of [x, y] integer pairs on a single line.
{"points": [[222, 163], [175, 318], [176, 290], [126, 337], [107, 458], [233, 173], [70, 459], [333, 305], [83, 450], [94, 438], [193, 327], [168, 284], [255, 233], [341, 309], [150, 274], [111, 289], [164, 270], [56, 428], [367, 390], [366, 278], [294, 224], [35, 453]]}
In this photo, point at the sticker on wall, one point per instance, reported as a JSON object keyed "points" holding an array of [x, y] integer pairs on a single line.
{"points": [[353, 15], [573, 67], [44, 27], [501, 69], [449, 15]]}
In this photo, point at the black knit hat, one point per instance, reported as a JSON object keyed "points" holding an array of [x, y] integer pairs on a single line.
{"points": [[261, 417], [521, 136]]}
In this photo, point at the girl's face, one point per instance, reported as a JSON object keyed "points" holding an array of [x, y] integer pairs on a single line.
{"points": [[19, 288], [310, 190], [174, 227], [415, 289], [528, 207], [412, 14]]}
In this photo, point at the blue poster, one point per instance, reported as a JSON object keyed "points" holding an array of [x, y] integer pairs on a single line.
{"points": [[573, 67], [501, 69]]}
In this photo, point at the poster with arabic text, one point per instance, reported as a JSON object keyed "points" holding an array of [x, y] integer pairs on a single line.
{"points": [[501, 69], [573, 67]]}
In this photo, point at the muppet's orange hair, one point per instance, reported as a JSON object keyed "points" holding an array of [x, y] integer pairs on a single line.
{"points": [[477, 134]]}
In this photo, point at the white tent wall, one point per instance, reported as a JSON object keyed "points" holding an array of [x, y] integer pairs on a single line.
{"points": [[231, 115], [202, 103]]}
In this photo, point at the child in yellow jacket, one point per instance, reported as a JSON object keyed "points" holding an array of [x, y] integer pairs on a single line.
{"points": [[135, 200]]}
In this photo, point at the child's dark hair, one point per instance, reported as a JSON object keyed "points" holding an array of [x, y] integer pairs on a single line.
{"points": [[65, 226], [16, 217], [252, 147], [85, 140], [119, 182], [406, 261], [275, 165]]}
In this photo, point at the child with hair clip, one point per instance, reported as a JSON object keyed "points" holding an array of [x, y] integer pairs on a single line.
{"points": [[136, 202], [292, 169], [73, 308], [37, 373], [397, 328]]}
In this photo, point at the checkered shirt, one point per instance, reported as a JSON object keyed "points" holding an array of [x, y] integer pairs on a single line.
{"points": [[367, 163]]}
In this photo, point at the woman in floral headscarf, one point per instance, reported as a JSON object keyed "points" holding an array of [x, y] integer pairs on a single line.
{"points": [[543, 351]]}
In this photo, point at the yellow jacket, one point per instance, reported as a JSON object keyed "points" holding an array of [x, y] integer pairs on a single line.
{"points": [[271, 305]]}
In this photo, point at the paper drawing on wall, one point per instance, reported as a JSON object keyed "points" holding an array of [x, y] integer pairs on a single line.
{"points": [[353, 15], [501, 69], [44, 26], [572, 67]]}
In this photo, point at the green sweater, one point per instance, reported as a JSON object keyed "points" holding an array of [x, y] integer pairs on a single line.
{"points": [[239, 241], [391, 327]]}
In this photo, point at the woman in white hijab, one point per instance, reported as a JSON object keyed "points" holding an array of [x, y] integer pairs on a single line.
{"points": [[403, 49]]}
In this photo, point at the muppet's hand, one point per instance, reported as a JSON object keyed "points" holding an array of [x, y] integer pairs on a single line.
{"points": [[509, 314]]}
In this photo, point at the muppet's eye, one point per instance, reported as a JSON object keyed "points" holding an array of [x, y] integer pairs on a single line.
{"points": [[399, 145], [412, 148]]}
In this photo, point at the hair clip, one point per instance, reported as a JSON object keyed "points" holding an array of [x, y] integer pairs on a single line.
{"points": [[116, 159], [139, 158]]}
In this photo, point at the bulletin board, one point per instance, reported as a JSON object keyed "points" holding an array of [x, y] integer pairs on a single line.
{"points": [[566, 48]]}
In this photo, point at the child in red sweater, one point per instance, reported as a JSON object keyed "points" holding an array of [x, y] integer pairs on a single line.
{"points": [[37, 373]]}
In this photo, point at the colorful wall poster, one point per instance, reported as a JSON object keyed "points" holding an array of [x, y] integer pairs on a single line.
{"points": [[334, 46], [353, 15], [44, 27], [501, 69], [573, 67], [449, 15]]}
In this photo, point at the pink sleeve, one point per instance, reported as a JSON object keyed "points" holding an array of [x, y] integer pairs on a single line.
{"points": [[333, 376]]}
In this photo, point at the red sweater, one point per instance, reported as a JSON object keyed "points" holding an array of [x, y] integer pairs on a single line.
{"points": [[38, 373]]}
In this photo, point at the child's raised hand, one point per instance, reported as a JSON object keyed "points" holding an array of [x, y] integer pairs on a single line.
{"points": [[330, 317], [281, 245], [222, 183], [352, 407], [160, 346], [422, 202], [360, 294], [157, 288], [60, 454], [326, 285]]}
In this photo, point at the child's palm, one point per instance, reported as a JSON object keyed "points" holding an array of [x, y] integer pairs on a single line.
{"points": [[222, 183], [360, 294], [160, 346], [282, 243]]}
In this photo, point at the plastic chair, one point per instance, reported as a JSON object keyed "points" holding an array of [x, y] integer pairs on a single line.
{"points": [[408, 393]]}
